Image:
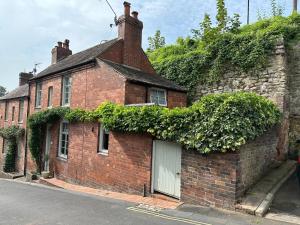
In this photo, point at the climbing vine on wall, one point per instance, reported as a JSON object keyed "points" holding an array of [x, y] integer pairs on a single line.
{"points": [[204, 60], [11, 135], [216, 123]]}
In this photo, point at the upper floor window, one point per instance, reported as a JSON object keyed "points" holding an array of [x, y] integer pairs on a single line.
{"points": [[103, 140], [13, 114], [50, 96], [63, 140], [158, 96], [21, 111], [6, 111], [66, 91], [38, 95]]}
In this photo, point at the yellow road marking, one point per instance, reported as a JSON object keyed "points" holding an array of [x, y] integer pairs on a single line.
{"points": [[156, 214]]}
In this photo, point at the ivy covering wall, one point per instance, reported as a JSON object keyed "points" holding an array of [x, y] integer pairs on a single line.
{"points": [[11, 135], [215, 123], [203, 60]]}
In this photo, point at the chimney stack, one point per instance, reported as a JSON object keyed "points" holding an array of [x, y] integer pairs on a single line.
{"points": [[24, 78], [61, 51], [130, 31]]}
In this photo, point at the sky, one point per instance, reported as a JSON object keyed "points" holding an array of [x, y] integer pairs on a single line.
{"points": [[29, 29]]}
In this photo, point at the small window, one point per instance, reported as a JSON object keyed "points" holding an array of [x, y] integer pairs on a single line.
{"points": [[50, 96], [6, 111], [103, 140], [158, 96], [13, 114], [21, 111], [66, 91], [38, 95], [19, 152], [63, 140]]}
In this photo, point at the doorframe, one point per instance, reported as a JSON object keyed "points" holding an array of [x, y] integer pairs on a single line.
{"points": [[47, 146], [153, 168]]}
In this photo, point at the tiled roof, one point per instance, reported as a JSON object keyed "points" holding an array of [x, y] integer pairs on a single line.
{"points": [[77, 59], [139, 76], [19, 92]]}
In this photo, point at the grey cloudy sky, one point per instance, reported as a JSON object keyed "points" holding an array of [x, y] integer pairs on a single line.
{"points": [[30, 28]]}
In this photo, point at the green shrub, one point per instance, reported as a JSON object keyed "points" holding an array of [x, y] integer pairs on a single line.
{"points": [[199, 61]]}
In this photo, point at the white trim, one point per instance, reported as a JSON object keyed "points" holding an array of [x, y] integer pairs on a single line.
{"points": [[64, 156], [158, 89], [63, 102], [102, 151]]}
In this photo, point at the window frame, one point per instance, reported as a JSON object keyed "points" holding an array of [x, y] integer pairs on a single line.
{"points": [[63, 93], [63, 155], [101, 132], [50, 97], [21, 111], [158, 90], [13, 110], [38, 95], [6, 111]]}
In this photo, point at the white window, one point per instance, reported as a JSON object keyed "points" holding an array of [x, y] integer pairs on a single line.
{"points": [[5, 146], [63, 140], [21, 111], [38, 95], [103, 140], [50, 96], [66, 91], [13, 113], [158, 96]]}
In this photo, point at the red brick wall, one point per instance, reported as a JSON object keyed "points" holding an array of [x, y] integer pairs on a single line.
{"points": [[176, 99], [126, 167], [13, 103]]}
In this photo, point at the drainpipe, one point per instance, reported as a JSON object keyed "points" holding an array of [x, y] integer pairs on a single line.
{"points": [[295, 5], [26, 132]]}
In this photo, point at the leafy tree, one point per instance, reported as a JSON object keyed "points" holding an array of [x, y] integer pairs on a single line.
{"points": [[235, 23], [221, 17], [156, 42], [2, 91], [206, 32], [276, 10]]}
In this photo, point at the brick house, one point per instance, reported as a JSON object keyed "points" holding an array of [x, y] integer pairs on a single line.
{"points": [[14, 111], [84, 153], [117, 71]]}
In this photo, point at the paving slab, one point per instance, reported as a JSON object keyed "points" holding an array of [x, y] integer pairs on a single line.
{"points": [[258, 199]]}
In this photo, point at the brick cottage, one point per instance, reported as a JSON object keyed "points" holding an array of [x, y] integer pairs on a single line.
{"points": [[84, 153]]}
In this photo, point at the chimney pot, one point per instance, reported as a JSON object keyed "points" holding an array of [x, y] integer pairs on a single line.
{"points": [[66, 44], [135, 14], [59, 44], [126, 8], [61, 51]]}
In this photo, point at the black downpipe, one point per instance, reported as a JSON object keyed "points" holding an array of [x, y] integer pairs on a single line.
{"points": [[26, 132]]}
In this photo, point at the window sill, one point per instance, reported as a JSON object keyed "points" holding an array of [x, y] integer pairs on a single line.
{"points": [[103, 153], [21, 122], [60, 158]]}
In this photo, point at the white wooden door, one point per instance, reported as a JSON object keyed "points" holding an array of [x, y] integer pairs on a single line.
{"points": [[47, 148], [166, 168]]}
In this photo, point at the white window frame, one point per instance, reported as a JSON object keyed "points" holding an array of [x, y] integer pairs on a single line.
{"points": [[151, 90], [21, 111], [13, 113], [101, 150], [38, 95], [50, 97], [64, 154], [6, 111], [64, 99]]}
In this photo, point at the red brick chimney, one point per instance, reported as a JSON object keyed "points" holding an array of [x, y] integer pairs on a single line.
{"points": [[24, 78], [130, 30], [60, 51]]}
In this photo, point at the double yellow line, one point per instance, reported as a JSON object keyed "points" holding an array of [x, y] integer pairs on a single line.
{"points": [[156, 214]]}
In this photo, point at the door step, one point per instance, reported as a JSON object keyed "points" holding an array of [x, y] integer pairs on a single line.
{"points": [[164, 197]]}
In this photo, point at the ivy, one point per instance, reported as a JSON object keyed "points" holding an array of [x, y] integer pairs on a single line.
{"points": [[215, 123], [37, 123], [11, 135], [206, 57]]}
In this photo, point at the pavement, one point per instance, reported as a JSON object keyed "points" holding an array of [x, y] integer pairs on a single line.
{"points": [[286, 204], [34, 204], [258, 199]]}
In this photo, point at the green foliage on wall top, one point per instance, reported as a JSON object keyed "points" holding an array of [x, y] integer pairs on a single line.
{"points": [[216, 123], [206, 57]]}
